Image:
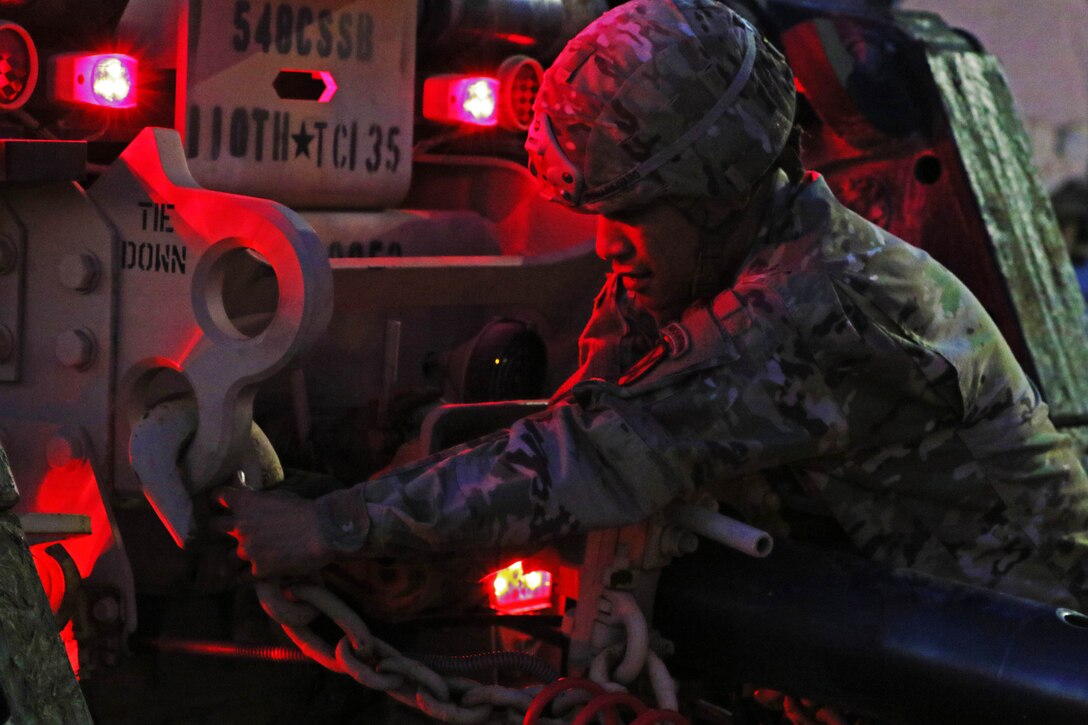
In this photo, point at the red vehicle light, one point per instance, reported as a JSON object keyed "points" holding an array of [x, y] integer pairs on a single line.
{"points": [[515, 591], [519, 80], [106, 79], [461, 99], [18, 66]]}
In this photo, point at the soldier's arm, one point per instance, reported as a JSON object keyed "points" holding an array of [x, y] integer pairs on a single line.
{"points": [[569, 468]]}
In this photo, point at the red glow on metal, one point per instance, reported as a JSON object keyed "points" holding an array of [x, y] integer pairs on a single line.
{"points": [[101, 79], [181, 60], [71, 646], [74, 489], [516, 591], [471, 100], [51, 576], [71, 489], [208, 648], [518, 39], [188, 347]]}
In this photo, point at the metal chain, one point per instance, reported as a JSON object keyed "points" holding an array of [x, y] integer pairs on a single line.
{"points": [[378, 665]]}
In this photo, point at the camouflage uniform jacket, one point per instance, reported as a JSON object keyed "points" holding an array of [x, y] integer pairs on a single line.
{"points": [[841, 355]]}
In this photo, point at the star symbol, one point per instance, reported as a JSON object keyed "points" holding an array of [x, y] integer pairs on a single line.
{"points": [[302, 141]]}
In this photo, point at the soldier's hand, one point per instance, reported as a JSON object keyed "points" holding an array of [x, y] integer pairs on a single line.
{"points": [[278, 533]]}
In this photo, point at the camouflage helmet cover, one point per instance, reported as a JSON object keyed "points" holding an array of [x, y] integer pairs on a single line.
{"points": [[679, 98]]}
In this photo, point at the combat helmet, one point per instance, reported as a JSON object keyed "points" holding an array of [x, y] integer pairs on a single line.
{"points": [[678, 98]]}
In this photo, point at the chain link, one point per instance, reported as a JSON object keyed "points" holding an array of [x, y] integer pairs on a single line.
{"points": [[451, 711], [378, 665], [280, 608], [498, 696], [419, 673], [362, 672], [362, 642]]}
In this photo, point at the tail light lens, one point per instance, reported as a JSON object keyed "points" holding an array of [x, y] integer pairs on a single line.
{"points": [[505, 100], [519, 80], [472, 100], [18, 66], [516, 591], [107, 80]]}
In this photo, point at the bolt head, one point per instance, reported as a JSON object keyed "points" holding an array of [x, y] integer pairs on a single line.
{"points": [[106, 610], [65, 449], [76, 348], [79, 272]]}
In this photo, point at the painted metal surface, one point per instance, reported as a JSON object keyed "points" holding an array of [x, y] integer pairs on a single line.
{"points": [[1018, 220], [355, 149]]}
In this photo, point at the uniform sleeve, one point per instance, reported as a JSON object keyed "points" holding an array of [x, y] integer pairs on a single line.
{"points": [[567, 469], [608, 455]]}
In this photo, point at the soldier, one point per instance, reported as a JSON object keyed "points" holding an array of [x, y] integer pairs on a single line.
{"points": [[751, 326]]}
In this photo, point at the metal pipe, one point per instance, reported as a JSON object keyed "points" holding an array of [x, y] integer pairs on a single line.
{"points": [[624, 610], [661, 683], [522, 662], [900, 646], [720, 528]]}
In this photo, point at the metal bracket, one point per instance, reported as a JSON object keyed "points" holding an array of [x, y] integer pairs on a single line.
{"points": [[181, 249]]}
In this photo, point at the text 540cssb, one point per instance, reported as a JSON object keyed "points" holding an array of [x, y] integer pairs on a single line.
{"points": [[303, 30]]}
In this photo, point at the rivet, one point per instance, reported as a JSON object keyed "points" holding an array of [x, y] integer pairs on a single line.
{"points": [[65, 448], [76, 348], [106, 610], [79, 272]]}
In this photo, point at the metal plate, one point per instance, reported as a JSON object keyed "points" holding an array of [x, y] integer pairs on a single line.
{"points": [[241, 136]]}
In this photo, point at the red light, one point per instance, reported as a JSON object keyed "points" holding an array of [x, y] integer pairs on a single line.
{"points": [[107, 79], [461, 99], [18, 66], [517, 39], [70, 489], [268, 653], [515, 591], [519, 80], [51, 576]]}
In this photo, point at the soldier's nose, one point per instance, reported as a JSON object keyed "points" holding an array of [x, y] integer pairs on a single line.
{"points": [[612, 246]]}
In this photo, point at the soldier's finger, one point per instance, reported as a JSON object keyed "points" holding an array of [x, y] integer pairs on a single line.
{"points": [[227, 525], [795, 712], [769, 698], [829, 716], [226, 497]]}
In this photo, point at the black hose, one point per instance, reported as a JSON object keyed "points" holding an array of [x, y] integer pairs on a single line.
{"points": [[465, 665], [900, 646]]}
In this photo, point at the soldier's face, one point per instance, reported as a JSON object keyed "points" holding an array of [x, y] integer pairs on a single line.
{"points": [[654, 251]]}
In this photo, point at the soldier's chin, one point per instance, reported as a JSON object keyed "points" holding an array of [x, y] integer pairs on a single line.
{"points": [[655, 308]]}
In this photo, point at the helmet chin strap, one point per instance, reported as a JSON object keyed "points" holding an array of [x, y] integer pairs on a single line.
{"points": [[726, 245]]}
